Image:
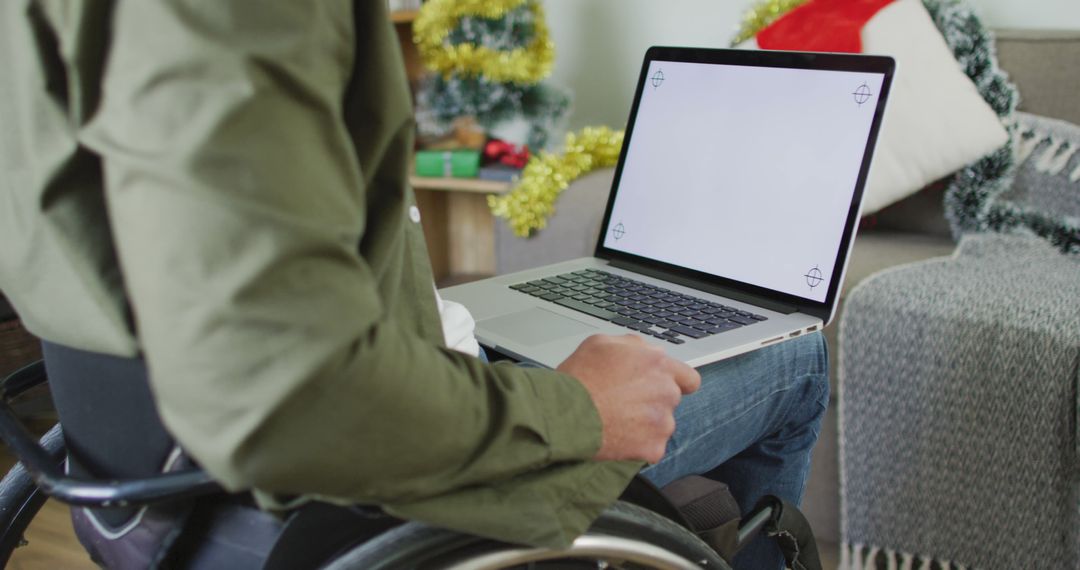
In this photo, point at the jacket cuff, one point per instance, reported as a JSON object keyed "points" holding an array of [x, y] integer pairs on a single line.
{"points": [[572, 423]]}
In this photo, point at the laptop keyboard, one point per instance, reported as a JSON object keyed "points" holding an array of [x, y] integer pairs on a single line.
{"points": [[645, 308]]}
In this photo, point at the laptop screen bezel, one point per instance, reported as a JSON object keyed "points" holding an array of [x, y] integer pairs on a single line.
{"points": [[757, 58]]}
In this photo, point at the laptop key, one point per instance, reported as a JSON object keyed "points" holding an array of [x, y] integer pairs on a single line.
{"points": [[588, 309], [759, 317], [674, 340], [627, 321], [551, 297], [689, 331], [742, 320]]}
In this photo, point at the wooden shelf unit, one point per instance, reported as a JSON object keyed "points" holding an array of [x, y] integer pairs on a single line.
{"points": [[458, 226], [472, 185], [403, 16]]}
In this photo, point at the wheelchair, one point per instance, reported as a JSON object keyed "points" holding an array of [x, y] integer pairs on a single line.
{"points": [[645, 529]]}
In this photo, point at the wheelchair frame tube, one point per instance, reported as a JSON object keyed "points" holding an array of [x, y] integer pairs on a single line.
{"points": [[93, 492]]}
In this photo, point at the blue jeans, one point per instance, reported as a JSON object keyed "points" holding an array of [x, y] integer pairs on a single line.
{"points": [[752, 425]]}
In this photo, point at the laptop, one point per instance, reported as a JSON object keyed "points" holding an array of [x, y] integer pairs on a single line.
{"points": [[731, 214]]}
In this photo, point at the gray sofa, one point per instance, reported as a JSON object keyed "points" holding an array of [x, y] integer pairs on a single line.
{"points": [[912, 230]]}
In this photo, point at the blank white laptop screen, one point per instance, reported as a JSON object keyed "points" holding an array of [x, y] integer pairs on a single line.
{"points": [[744, 172]]}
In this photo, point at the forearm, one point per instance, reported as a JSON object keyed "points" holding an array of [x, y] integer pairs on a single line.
{"points": [[391, 419]]}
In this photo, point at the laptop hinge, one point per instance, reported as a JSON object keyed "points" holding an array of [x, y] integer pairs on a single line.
{"points": [[706, 287]]}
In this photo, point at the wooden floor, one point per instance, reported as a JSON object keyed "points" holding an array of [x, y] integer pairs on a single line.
{"points": [[51, 543]]}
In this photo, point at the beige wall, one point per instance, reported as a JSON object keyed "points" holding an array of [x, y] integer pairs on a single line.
{"points": [[600, 42]]}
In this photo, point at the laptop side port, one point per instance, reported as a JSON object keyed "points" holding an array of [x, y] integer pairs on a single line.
{"points": [[811, 329], [772, 340], [795, 334]]}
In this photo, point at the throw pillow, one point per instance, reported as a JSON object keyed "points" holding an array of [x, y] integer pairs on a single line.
{"points": [[936, 121]]}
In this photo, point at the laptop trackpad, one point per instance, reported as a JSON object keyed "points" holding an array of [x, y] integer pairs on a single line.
{"points": [[535, 326]]}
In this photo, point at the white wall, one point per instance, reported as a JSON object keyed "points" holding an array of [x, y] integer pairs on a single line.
{"points": [[600, 43]]}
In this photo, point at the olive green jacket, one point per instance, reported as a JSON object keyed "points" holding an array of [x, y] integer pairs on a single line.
{"points": [[220, 186]]}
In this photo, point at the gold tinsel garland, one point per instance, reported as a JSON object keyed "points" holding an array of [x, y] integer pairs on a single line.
{"points": [[528, 206], [524, 66], [761, 14]]}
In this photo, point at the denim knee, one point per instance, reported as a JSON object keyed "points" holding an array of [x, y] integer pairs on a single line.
{"points": [[813, 354], [812, 373]]}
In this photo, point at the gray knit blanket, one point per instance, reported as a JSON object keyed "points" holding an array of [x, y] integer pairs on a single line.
{"points": [[959, 411]]}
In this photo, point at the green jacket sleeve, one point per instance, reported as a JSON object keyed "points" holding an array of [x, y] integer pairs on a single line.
{"points": [[238, 201]]}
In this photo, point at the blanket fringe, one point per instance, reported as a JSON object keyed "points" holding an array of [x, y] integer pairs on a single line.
{"points": [[1025, 145], [871, 558], [890, 559], [1055, 158], [864, 557]]}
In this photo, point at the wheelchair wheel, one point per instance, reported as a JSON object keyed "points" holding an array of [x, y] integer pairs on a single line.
{"points": [[625, 536], [20, 498]]}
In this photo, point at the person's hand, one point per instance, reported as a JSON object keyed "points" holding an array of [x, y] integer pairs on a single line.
{"points": [[635, 387]]}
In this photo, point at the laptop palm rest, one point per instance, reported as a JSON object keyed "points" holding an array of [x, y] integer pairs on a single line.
{"points": [[534, 326]]}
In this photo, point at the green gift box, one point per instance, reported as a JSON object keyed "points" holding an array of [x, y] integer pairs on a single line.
{"points": [[448, 163]]}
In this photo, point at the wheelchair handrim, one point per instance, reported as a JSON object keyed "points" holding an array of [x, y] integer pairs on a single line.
{"points": [[611, 548]]}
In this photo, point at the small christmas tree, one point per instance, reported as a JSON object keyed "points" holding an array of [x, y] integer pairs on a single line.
{"points": [[489, 59]]}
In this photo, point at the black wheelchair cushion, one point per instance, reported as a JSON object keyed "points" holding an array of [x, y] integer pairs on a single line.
{"points": [[710, 509], [704, 502]]}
